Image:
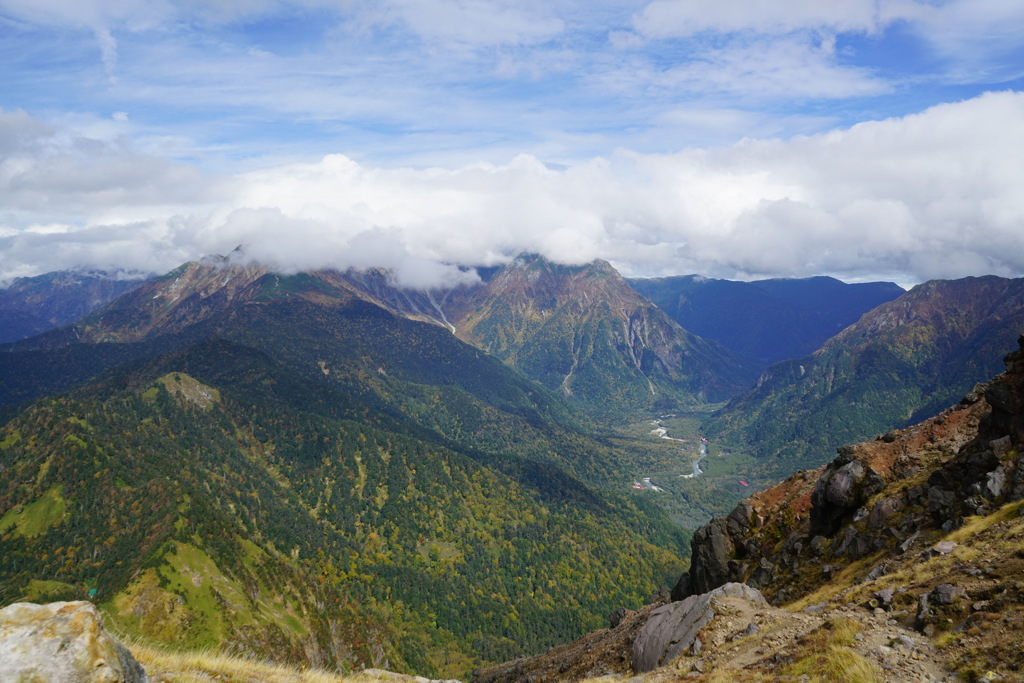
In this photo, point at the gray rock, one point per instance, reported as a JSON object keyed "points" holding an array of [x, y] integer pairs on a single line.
{"points": [[995, 482], [671, 630], [883, 511], [940, 548], [842, 488], [1017, 492], [916, 495], [923, 612], [616, 617], [752, 629], [941, 501], [1001, 446], [762, 575], [738, 521], [946, 594], [882, 598], [842, 547], [710, 552], [62, 642], [907, 544]]}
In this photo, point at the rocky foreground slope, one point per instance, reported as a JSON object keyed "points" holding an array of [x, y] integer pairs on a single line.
{"points": [[902, 559]]}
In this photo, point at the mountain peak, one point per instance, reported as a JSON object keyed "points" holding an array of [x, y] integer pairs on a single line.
{"points": [[583, 331]]}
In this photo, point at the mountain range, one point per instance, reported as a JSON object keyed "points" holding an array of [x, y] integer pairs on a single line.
{"points": [[765, 321], [900, 362], [31, 305], [582, 331], [263, 460], [357, 474]]}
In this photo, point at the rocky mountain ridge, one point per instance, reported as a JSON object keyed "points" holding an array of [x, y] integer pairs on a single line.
{"points": [[902, 557], [583, 331], [271, 462]]}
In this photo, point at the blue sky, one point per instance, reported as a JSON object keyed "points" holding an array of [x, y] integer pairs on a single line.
{"points": [[739, 138]]}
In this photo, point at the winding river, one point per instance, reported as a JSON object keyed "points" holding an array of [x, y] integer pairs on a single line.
{"points": [[663, 433]]}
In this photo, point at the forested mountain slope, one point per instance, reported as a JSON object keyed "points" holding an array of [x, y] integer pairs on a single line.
{"points": [[31, 305], [320, 328], [900, 560], [903, 360], [582, 331], [214, 495]]}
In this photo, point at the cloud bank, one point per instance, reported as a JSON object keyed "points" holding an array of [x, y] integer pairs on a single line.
{"points": [[931, 195]]}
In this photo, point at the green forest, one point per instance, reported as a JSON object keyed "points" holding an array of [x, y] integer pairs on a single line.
{"points": [[265, 509]]}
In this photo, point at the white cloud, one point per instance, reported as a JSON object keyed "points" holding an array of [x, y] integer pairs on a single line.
{"points": [[59, 171], [783, 69], [934, 194], [666, 18], [981, 39]]}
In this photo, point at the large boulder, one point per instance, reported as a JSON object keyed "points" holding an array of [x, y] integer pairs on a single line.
{"points": [[671, 630], [62, 642], [711, 550], [844, 486]]}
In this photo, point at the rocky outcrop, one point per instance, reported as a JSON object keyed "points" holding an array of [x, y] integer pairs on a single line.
{"points": [[62, 642], [672, 629], [715, 553], [843, 487], [878, 496]]}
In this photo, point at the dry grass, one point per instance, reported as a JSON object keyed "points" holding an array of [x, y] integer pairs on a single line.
{"points": [[975, 525], [914, 573], [842, 581], [205, 666], [828, 656]]}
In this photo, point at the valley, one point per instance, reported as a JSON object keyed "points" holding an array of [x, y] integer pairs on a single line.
{"points": [[696, 479], [357, 475]]}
